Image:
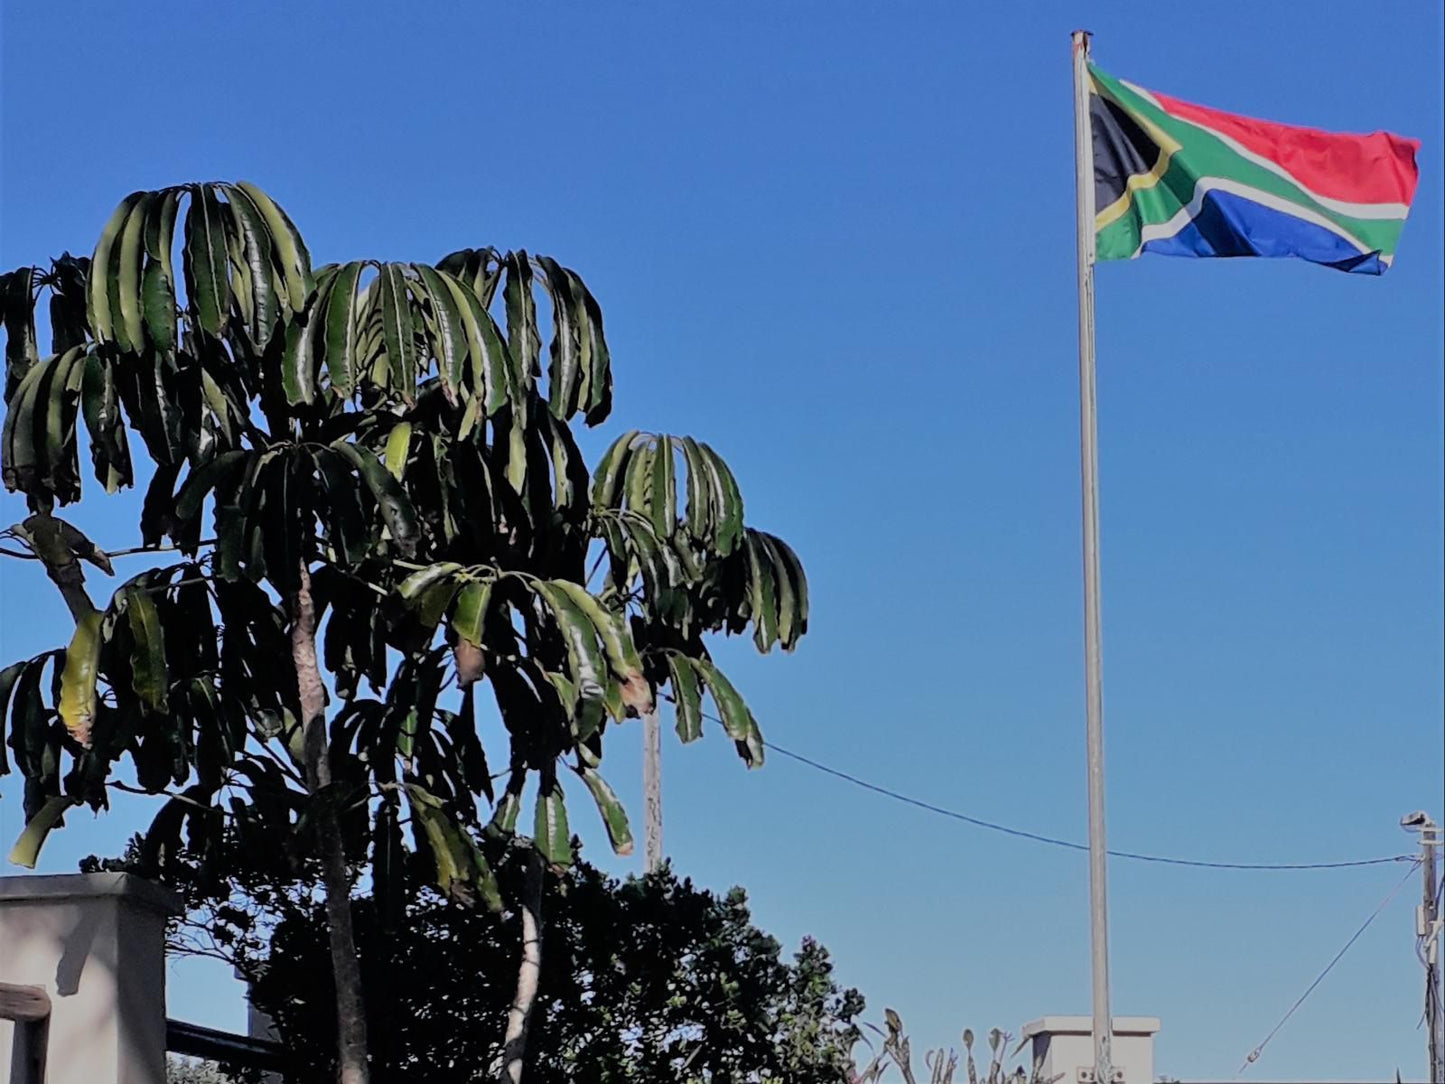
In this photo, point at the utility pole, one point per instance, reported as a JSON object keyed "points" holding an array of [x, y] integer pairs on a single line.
{"points": [[1427, 939], [652, 789]]}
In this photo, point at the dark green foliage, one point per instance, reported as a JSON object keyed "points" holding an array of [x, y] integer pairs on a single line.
{"points": [[692, 991], [387, 432]]}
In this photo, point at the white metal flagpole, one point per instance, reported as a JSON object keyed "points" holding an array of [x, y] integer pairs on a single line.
{"points": [[1093, 657]]}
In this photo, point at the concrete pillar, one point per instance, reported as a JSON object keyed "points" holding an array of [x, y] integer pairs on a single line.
{"points": [[1066, 1046], [96, 943]]}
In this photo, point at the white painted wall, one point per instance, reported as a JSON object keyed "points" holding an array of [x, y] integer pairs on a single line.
{"points": [[96, 943], [1066, 1044]]}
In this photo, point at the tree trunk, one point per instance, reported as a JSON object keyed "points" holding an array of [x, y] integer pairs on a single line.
{"points": [[335, 877], [514, 1049]]}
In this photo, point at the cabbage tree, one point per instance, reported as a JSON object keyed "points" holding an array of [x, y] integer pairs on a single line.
{"points": [[369, 475]]}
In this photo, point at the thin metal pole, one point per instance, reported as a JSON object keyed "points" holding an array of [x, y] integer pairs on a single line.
{"points": [[1093, 640], [652, 789]]}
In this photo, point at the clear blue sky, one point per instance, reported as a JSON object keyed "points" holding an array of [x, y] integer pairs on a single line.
{"points": [[836, 240]]}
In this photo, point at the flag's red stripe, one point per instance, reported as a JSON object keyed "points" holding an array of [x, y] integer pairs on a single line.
{"points": [[1375, 168]]}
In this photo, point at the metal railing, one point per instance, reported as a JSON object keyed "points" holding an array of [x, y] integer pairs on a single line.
{"points": [[241, 1051]]}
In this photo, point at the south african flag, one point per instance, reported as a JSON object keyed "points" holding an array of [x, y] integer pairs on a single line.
{"points": [[1184, 180]]}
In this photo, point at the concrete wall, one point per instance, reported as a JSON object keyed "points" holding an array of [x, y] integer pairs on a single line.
{"points": [[96, 943], [1066, 1046]]}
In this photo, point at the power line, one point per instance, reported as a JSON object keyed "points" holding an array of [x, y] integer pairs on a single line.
{"points": [[1020, 833], [1255, 1053]]}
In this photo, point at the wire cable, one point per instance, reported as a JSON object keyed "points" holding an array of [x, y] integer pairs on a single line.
{"points": [[1255, 1053], [1020, 833]]}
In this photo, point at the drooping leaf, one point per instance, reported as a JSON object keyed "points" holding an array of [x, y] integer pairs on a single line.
{"points": [[687, 694], [301, 360], [699, 492], [450, 341], [17, 299], [486, 352], [727, 502], [607, 478], [77, 683], [159, 300], [398, 445], [149, 675], [396, 510], [619, 832], [397, 329], [253, 233], [617, 645], [109, 448], [523, 340], [205, 260], [564, 372], [291, 254], [737, 719], [8, 677], [664, 489], [762, 592], [26, 851], [127, 309], [343, 360], [550, 831], [101, 286], [585, 658]]}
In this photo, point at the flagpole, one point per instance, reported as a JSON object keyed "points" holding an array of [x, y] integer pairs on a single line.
{"points": [[1093, 657]]}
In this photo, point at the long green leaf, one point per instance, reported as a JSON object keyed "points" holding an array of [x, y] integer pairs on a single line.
{"points": [[161, 232], [301, 359], [550, 832], [99, 286], [8, 678], [20, 453], [762, 592], [687, 696], [160, 307], [397, 330], [77, 682], [523, 341], [398, 447], [619, 832], [606, 479], [205, 260], [203, 479], [450, 346], [585, 658], [130, 325], [26, 851], [391, 500], [294, 260], [737, 719], [638, 482], [792, 592], [664, 488], [149, 675], [564, 371], [255, 238], [490, 365], [596, 360], [617, 645], [727, 502], [699, 492], [471, 610], [343, 361]]}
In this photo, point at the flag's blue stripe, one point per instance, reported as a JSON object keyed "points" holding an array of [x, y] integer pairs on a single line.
{"points": [[1231, 225]]}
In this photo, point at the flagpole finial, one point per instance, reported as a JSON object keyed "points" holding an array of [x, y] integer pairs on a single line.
{"points": [[1082, 39]]}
